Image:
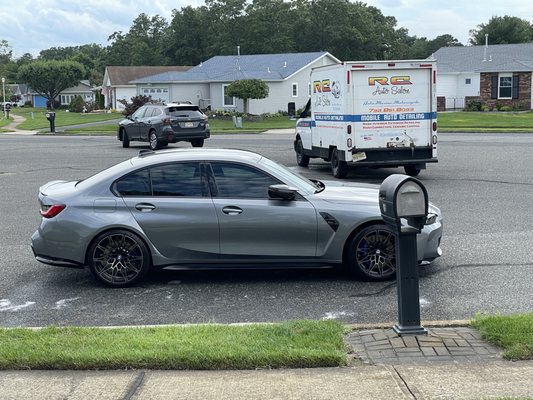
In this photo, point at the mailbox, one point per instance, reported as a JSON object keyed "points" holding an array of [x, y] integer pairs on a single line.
{"points": [[403, 197], [403, 202], [51, 116]]}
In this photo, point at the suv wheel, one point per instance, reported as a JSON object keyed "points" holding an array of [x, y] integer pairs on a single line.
{"points": [[197, 142], [154, 141], [125, 139]]}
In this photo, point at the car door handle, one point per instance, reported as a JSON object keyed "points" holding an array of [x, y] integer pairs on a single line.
{"points": [[145, 207], [232, 210]]}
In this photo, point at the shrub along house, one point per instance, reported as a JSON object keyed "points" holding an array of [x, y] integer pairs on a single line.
{"points": [[496, 75], [287, 76]]}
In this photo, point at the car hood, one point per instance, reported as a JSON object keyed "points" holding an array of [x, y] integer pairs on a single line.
{"points": [[349, 193]]}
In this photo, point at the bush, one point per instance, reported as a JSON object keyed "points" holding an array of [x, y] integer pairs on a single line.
{"points": [[474, 105], [56, 104], [136, 103], [76, 105], [518, 106], [505, 108]]}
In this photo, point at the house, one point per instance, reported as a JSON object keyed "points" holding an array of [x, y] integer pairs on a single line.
{"points": [[84, 89], [117, 86], [20, 91], [494, 74], [287, 76]]}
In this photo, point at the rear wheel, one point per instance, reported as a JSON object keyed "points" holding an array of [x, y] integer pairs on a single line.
{"points": [[119, 258], [411, 170], [372, 254], [197, 142], [154, 141], [125, 139], [301, 159], [339, 168]]}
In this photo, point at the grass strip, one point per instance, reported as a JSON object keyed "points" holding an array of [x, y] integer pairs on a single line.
{"points": [[485, 121], [295, 344], [512, 332]]}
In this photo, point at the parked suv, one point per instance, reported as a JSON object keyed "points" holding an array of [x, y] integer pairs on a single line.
{"points": [[161, 124]]}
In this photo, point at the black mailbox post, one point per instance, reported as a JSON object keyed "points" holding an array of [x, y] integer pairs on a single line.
{"points": [[51, 116], [403, 202]]}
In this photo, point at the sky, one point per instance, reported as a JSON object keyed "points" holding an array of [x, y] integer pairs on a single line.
{"points": [[30, 26]]}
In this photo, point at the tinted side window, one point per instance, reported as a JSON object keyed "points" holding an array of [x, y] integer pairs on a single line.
{"points": [[139, 113], [157, 112], [242, 181], [179, 179], [134, 184]]}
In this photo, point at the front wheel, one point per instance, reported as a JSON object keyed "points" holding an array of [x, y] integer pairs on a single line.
{"points": [[301, 159], [125, 139], [154, 141], [339, 168], [119, 258], [197, 142], [411, 170], [371, 254]]}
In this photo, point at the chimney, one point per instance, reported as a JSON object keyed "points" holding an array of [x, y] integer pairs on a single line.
{"points": [[238, 51], [486, 47]]}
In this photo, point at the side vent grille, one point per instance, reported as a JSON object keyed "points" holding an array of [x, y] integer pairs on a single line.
{"points": [[332, 222]]}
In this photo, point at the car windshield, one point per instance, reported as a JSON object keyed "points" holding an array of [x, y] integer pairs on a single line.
{"points": [[291, 178], [185, 112]]}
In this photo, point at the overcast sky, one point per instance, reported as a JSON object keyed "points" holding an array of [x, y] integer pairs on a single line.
{"points": [[33, 25]]}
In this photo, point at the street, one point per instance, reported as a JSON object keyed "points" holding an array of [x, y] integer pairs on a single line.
{"points": [[482, 183]]}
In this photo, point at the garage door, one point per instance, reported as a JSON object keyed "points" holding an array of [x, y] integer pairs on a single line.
{"points": [[156, 93]]}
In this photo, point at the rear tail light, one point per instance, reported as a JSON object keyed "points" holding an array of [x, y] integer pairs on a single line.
{"points": [[51, 211]]}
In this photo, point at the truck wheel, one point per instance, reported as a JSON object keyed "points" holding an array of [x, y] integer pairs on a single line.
{"points": [[125, 139], [411, 170], [301, 159], [372, 254], [339, 168]]}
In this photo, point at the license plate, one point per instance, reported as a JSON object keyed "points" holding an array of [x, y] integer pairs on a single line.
{"points": [[189, 125], [359, 156]]}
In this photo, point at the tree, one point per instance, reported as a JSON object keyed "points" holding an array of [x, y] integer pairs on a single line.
{"points": [[50, 78], [503, 30], [247, 89]]}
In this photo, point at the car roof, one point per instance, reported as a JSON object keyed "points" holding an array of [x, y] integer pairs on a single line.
{"points": [[149, 157]]}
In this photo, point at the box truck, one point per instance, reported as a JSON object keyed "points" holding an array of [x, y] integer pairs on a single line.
{"points": [[372, 114]]}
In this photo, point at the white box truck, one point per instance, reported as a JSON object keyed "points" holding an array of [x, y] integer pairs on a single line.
{"points": [[372, 114]]}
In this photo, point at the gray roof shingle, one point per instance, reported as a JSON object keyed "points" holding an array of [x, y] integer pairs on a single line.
{"points": [[499, 58], [267, 67]]}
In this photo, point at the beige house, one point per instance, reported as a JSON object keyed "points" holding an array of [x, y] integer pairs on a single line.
{"points": [[116, 85]]}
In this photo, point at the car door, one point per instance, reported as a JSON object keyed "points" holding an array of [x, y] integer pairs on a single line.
{"points": [[144, 123], [132, 128], [252, 224], [170, 203]]}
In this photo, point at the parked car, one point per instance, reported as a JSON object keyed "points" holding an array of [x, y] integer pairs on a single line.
{"points": [[161, 124], [215, 208]]}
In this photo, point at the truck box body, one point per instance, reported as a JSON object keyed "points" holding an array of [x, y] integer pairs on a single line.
{"points": [[378, 114]]}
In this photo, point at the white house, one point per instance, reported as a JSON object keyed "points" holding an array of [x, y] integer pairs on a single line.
{"points": [[84, 89], [117, 86], [287, 76], [494, 74]]}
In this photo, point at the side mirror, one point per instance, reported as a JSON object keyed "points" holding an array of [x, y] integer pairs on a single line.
{"points": [[282, 192]]}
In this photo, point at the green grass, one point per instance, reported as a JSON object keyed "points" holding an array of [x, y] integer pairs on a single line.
{"points": [[297, 344], [4, 121], [514, 333], [63, 118], [485, 122]]}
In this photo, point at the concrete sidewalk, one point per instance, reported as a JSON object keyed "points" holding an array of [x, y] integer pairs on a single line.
{"points": [[445, 381]]}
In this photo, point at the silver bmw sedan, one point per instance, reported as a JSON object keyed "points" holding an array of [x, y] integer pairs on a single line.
{"points": [[216, 208]]}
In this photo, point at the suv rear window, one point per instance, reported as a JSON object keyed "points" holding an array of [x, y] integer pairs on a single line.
{"points": [[185, 112]]}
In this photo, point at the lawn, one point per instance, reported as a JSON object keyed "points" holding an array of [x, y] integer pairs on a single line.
{"points": [[485, 121], [63, 118], [296, 344], [513, 332]]}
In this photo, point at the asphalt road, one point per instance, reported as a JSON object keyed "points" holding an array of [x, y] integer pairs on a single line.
{"points": [[483, 184]]}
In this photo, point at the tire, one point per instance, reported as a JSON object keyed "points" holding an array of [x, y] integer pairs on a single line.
{"points": [[153, 140], [371, 254], [125, 139], [301, 159], [411, 170], [339, 168], [119, 258], [197, 142]]}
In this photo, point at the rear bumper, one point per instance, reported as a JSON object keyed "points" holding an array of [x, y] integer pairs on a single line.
{"points": [[41, 249], [171, 136]]}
